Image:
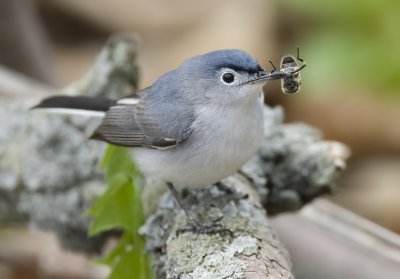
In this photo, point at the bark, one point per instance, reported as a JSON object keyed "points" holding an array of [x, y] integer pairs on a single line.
{"points": [[253, 251]]}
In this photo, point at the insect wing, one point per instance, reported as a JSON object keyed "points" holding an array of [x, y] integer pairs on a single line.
{"points": [[291, 82]]}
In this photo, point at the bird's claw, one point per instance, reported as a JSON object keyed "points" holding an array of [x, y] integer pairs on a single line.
{"points": [[198, 228]]}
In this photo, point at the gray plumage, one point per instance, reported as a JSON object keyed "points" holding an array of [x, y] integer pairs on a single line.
{"points": [[196, 124]]}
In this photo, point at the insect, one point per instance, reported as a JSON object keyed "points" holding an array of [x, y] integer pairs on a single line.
{"points": [[289, 72]]}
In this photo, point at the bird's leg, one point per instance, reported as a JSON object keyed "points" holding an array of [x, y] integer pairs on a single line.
{"points": [[229, 191], [177, 198], [195, 226]]}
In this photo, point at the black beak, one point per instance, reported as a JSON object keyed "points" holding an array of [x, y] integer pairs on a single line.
{"points": [[260, 76], [263, 76]]}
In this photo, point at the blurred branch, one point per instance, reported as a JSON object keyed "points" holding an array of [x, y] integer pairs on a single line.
{"points": [[14, 86], [24, 46], [342, 242], [352, 226]]}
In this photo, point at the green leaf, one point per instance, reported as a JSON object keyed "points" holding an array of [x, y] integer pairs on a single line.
{"points": [[127, 259], [115, 208], [120, 207], [118, 160]]}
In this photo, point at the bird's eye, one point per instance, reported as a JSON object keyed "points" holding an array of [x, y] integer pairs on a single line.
{"points": [[228, 77]]}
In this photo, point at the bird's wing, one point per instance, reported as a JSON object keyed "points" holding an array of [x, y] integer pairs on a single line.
{"points": [[130, 123]]}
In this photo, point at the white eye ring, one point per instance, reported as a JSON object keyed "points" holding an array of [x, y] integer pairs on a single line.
{"points": [[228, 77]]}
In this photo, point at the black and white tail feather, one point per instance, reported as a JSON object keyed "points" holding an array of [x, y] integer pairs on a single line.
{"points": [[125, 122], [76, 105]]}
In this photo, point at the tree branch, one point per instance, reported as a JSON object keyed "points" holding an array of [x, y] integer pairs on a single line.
{"points": [[253, 252]]}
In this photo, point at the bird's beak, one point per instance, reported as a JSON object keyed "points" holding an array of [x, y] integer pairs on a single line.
{"points": [[261, 76]]}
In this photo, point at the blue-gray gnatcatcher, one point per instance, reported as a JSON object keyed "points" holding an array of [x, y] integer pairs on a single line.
{"points": [[194, 126]]}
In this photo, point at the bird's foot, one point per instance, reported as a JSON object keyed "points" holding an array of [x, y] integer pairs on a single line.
{"points": [[224, 188], [198, 228], [229, 191]]}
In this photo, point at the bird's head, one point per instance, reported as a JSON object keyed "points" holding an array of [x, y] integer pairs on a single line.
{"points": [[224, 77]]}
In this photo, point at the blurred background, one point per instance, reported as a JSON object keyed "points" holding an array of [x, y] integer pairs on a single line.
{"points": [[350, 90]]}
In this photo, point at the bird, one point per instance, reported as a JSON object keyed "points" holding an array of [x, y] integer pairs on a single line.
{"points": [[194, 126]]}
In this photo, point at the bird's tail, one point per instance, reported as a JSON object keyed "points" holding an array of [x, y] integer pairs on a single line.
{"points": [[91, 106]]}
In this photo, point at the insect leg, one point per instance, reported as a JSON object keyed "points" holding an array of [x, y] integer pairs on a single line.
{"points": [[298, 54], [300, 68], [274, 68], [300, 59]]}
